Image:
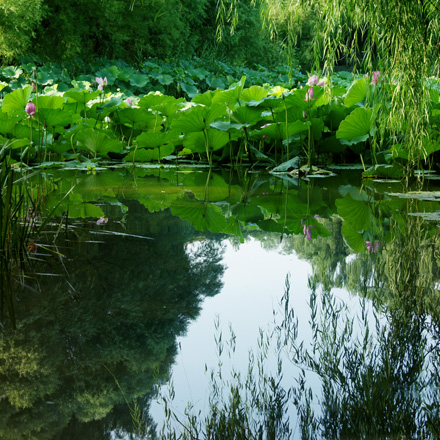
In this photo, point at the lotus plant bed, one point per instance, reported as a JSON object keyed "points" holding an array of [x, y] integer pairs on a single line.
{"points": [[309, 121]]}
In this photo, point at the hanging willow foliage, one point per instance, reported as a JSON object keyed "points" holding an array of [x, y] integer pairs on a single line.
{"points": [[399, 38]]}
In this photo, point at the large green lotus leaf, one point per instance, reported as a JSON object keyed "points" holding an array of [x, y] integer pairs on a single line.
{"points": [[15, 144], [211, 138], [139, 80], [356, 127], [11, 71], [83, 96], [53, 102], [44, 78], [227, 126], [97, 142], [354, 239], [16, 100], [357, 92], [288, 165], [139, 117], [216, 83], [281, 130], [269, 102], [191, 120], [154, 99], [292, 114], [52, 117], [150, 155], [2, 85], [246, 115], [202, 216], [113, 102], [126, 73], [229, 97], [198, 118], [21, 131], [154, 139], [8, 122], [254, 93], [274, 131], [205, 98], [170, 108], [189, 89], [355, 212], [434, 96]]}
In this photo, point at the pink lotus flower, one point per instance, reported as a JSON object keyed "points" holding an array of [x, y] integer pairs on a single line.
{"points": [[30, 109], [102, 83], [373, 246], [376, 76], [307, 229], [310, 95], [314, 81], [129, 102], [102, 221]]}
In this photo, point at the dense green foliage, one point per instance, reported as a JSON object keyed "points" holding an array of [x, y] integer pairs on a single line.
{"points": [[398, 38], [132, 30], [164, 110]]}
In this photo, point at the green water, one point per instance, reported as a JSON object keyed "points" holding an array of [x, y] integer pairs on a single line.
{"points": [[133, 270]]}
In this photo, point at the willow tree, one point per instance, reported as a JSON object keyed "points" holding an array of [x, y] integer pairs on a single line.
{"points": [[400, 38]]}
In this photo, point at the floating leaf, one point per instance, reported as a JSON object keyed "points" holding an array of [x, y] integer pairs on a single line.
{"points": [[394, 171]]}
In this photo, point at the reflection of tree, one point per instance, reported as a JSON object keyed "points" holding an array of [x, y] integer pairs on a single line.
{"points": [[326, 254], [122, 306], [375, 384]]}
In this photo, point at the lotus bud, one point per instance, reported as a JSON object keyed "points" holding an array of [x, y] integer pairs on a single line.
{"points": [[310, 94], [30, 109]]}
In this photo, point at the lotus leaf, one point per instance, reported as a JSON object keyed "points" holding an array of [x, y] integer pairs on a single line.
{"points": [[16, 100], [357, 92], [355, 212], [97, 142], [52, 102], [82, 97], [210, 139], [150, 155], [356, 127], [202, 216]]}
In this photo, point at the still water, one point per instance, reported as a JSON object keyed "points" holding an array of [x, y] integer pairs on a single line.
{"points": [[153, 282]]}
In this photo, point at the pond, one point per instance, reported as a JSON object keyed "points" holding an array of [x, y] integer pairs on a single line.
{"points": [[291, 308]]}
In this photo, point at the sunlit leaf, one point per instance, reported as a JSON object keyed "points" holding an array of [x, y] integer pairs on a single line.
{"points": [[16, 100]]}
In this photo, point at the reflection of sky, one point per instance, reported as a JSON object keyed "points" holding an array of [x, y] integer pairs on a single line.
{"points": [[254, 283]]}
